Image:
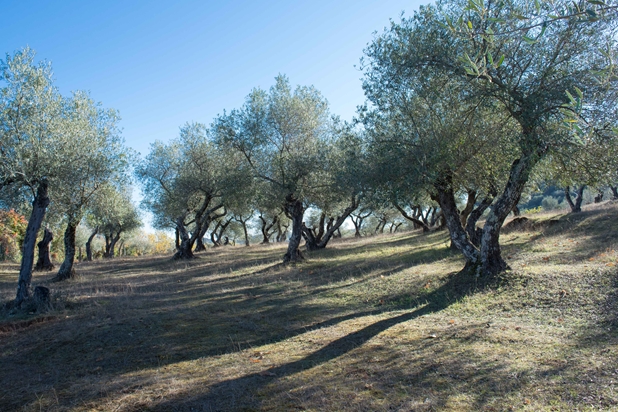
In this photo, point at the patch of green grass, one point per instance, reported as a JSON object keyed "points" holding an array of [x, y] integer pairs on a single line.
{"points": [[380, 323]]}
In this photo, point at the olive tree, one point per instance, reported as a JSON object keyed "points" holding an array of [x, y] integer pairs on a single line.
{"points": [[185, 183], [30, 136], [95, 158], [282, 135], [525, 69]]}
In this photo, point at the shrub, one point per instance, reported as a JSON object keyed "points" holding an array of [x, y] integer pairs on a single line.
{"points": [[549, 203]]}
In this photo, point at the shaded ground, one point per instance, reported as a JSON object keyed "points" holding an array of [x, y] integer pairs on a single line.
{"points": [[382, 323]]}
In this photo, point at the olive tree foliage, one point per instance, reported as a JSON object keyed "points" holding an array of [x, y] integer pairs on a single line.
{"points": [[283, 135], [525, 70], [95, 157], [186, 182]]}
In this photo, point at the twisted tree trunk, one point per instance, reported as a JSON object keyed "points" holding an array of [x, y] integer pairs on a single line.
{"points": [[44, 261], [89, 244], [295, 210], [576, 206], [66, 270], [448, 206]]}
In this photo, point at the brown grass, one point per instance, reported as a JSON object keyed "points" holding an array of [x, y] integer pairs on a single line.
{"points": [[377, 324]]}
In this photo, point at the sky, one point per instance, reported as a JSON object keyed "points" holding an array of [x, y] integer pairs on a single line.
{"points": [[164, 63]]}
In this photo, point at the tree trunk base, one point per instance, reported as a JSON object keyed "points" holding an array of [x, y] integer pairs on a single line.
{"points": [[70, 274], [44, 268], [293, 257], [183, 255]]}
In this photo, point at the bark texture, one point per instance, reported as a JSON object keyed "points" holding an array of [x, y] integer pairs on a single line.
{"points": [[66, 270], [491, 256], [448, 206], [89, 244], [39, 207], [44, 260], [295, 210], [184, 250]]}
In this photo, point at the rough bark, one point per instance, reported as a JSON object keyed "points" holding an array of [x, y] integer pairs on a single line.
{"points": [[448, 206], [473, 232], [412, 219], [294, 209], [185, 248], [202, 224], [39, 207], [66, 270], [576, 206], [491, 256], [44, 260], [89, 244]]}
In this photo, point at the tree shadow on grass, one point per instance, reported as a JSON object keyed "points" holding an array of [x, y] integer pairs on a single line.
{"points": [[225, 395]]}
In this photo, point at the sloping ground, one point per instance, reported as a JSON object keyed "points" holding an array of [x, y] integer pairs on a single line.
{"points": [[382, 323]]}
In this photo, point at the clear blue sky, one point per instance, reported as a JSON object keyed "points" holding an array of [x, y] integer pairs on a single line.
{"points": [[162, 64]]}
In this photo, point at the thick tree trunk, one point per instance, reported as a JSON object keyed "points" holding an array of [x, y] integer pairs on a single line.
{"points": [[448, 206], [66, 269], [39, 206], [295, 210], [89, 244], [473, 232], [44, 260], [576, 206], [614, 192], [177, 241], [412, 219], [185, 248], [491, 257]]}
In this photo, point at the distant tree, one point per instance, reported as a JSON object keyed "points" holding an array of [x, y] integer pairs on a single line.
{"points": [[282, 135], [185, 184]]}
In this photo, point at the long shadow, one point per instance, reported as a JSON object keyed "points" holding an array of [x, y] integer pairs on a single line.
{"points": [[223, 395]]}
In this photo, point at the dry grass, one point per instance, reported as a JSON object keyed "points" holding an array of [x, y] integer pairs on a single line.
{"points": [[382, 323]]}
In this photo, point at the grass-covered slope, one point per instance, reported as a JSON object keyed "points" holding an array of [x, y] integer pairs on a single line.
{"points": [[381, 323]]}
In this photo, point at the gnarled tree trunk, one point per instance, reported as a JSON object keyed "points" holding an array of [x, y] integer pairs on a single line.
{"points": [[491, 256], [320, 239], [576, 206], [184, 250], [295, 210], [66, 270], [39, 207], [44, 260], [89, 244], [473, 232], [448, 206]]}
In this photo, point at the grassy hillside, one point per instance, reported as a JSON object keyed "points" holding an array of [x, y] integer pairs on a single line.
{"points": [[376, 324]]}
